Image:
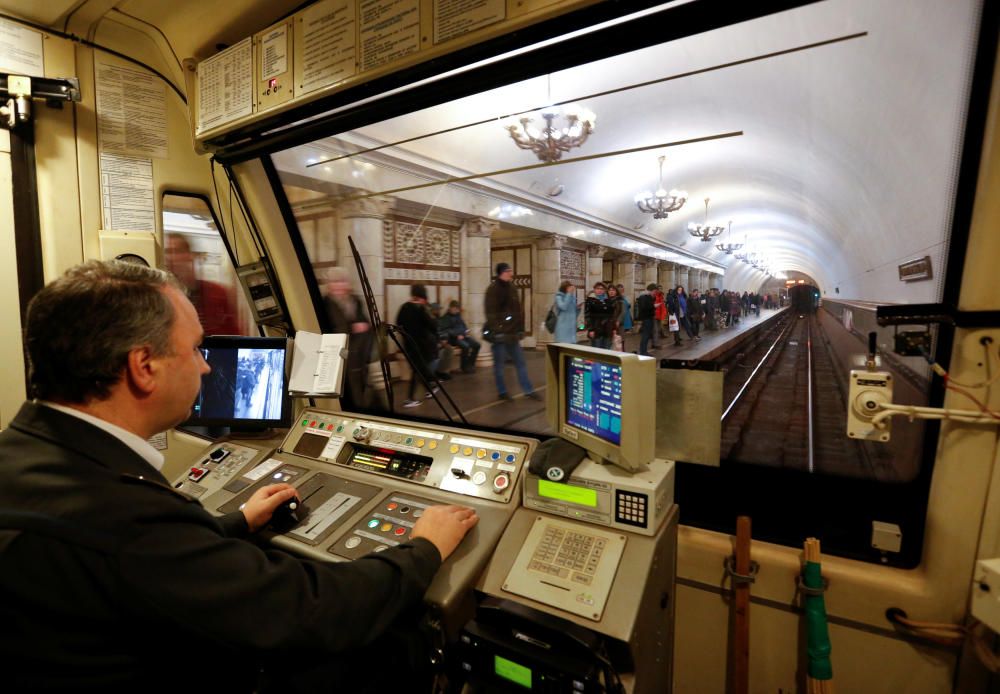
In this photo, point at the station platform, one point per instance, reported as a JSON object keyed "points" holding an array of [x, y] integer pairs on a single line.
{"points": [[477, 398]]}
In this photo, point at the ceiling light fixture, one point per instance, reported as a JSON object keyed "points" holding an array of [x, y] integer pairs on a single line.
{"points": [[706, 232], [660, 203], [730, 247], [565, 128]]}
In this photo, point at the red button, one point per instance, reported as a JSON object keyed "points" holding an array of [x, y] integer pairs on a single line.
{"points": [[400, 531], [312, 423], [392, 506]]}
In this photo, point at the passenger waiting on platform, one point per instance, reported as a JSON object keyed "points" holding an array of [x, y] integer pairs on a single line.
{"points": [[598, 314], [567, 313], [456, 333], [696, 312], [420, 340], [627, 314], [712, 310], [673, 321], [443, 366], [682, 316], [660, 309], [214, 303], [734, 308], [646, 315], [617, 317], [504, 327]]}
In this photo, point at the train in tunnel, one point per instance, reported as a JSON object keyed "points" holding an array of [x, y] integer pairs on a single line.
{"points": [[532, 345]]}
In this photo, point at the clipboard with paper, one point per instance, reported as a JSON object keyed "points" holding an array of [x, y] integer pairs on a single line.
{"points": [[318, 364]]}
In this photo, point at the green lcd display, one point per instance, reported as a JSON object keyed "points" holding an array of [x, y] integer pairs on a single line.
{"points": [[565, 492], [509, 670]]}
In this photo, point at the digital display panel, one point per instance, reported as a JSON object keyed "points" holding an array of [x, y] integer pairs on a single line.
{"points": [[514, 672], [594, 397], [566, 492], [246, 385]]}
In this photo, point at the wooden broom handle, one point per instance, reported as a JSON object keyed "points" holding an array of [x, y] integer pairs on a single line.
{"points": [[741, 623]]}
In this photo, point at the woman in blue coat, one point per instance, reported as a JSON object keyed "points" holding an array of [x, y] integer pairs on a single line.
{"points": [[627, 315], [566, 313]]}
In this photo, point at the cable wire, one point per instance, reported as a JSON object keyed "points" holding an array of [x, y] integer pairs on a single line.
{"points": [[90, 44]]}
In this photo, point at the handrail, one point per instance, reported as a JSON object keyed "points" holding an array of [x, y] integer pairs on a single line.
{"points": [[809, 392], [754, 372]]}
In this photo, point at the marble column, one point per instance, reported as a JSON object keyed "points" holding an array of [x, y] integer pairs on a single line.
{"points": [[667, 274], [545, 284], [650, 274], [363, 220], [595, 266], [625, 273], [477, 273], [681, 276]]}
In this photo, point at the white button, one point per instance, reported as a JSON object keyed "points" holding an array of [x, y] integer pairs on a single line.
{"points": [[479, 477], [353, 542]]}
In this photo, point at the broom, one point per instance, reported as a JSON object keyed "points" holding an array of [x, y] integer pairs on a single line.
{"points": [[820, 670]]}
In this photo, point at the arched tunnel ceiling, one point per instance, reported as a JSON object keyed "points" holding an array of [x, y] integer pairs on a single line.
{"points": [[846, 166]]}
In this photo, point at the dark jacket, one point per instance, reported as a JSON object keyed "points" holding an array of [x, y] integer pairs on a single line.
{"points": [[599, 314], [420, 328], [696, 309], [644, 307], [451, 327], [504, 318], [110, 580]]}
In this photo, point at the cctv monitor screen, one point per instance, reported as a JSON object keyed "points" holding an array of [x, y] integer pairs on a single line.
{"points": [[594, 397], [248, 385]]}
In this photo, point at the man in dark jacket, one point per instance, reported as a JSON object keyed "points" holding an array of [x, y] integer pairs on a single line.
{"points": [[111, 580], [646, 314], [504, 327], [420, 339], [599, 313]]}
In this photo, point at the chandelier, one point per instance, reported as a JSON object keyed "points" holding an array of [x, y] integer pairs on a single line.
{"points": [[729, 248], [564, 129], [660, 203], [705, 231]]}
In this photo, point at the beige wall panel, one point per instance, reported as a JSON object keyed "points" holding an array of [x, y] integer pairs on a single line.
{"points": [[11, 354], [862, 662], [56, 170]]}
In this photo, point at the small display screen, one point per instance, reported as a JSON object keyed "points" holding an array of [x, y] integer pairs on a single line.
{"points": [[509, 670], [246, 385], [565, 492], [594, 397]]}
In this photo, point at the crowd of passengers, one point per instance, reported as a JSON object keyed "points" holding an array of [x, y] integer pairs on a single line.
{"points": [[432, 335]]}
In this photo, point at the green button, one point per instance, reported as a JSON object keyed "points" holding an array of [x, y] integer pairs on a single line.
{"points": [[305, 422], [373, 523], [340, 428], [409, 439]]}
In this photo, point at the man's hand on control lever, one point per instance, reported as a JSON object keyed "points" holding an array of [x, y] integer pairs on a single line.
{"points": [[445, 526]]}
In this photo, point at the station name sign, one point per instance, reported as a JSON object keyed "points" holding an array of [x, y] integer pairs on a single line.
{"points": [[915, 270]]}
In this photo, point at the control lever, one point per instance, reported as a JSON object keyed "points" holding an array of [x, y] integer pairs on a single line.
{"points": [[459, 473], [286, 516], [872, 350]]}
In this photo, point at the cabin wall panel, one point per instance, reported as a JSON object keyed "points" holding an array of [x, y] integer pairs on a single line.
{"points": [[11, 353]]}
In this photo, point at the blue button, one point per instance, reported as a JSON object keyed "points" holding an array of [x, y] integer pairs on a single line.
{"points": [[496, 455], [510, 458]]}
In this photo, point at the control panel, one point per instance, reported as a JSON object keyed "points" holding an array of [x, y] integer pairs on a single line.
{"points": [[387, 525], [605, 495], [473, 464], [567, 565], [219, 466]]}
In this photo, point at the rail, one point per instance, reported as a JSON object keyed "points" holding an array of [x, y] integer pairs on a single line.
{"points": [[753, 374]]}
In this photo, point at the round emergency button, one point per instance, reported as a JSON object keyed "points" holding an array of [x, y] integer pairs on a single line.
{"points": [[501, 482]]}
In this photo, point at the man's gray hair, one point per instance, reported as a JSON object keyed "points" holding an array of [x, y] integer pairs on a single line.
{"points": [[81, 327]]}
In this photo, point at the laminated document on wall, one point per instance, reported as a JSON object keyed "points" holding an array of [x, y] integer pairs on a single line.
{"points": [[318, 364]]}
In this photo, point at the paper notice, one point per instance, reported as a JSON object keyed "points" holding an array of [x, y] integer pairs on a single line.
{"points": [[274, 53], [327, 34], [456, 17], [127, 193], [225, 86], [131, 111], [158, 441], [20, 50], [390, 30]]}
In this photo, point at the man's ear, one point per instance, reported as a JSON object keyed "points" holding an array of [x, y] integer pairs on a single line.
{"points": [[141, 369]]}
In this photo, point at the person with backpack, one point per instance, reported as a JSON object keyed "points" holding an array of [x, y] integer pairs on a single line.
{"points": [[566, 313]]}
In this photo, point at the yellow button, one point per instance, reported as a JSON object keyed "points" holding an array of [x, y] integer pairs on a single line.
{"points": [[433, 445], [467, 450], [386, 527], [481, 453], [420, 443], [454, 448]]}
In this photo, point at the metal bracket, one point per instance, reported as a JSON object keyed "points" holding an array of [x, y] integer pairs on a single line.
{"points": [[738, 578], [917, 314], [811, 592], [20, 90]]}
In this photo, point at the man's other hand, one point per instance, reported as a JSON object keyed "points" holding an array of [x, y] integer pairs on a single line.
{"points": [[260, 507], [445, 526]]}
